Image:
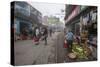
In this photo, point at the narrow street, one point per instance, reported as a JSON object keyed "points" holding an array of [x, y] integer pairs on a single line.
{"points": [[26, 52]]}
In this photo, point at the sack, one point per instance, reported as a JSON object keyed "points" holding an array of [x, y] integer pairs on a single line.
{"points": [[65, 44]]}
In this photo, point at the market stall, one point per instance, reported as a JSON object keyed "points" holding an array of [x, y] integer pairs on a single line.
{"points": [[86, 48]]}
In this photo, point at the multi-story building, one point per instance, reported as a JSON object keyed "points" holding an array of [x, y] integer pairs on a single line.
{"points": [[25, 16]]}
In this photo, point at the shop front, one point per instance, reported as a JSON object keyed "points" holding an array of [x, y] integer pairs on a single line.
{"points": [[23, 28], [84, 26], [89, 28]]}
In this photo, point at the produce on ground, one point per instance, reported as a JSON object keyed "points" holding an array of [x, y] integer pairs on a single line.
{"points": [[72, 55], [79, 51]]}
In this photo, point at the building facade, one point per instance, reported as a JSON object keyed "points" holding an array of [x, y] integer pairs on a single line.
{"points": [[25, 17], [82, 20]]}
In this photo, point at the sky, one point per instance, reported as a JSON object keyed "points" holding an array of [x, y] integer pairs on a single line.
{"points": [[50, 9]]}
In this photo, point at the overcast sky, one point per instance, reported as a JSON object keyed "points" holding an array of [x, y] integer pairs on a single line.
{"points": [[48, 9]]}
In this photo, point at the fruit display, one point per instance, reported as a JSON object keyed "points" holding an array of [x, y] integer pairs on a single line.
{"points": [[72, 55], [79, 51], [87, 51], [84, 34]]}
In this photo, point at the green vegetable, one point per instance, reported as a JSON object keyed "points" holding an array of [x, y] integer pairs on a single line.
{"points": [[79, 51]]}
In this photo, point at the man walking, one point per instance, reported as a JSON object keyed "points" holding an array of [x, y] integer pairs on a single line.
{"points": [[69, 38], [45, 34]]}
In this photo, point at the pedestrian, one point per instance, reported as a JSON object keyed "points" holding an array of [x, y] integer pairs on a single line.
{"points": [[36, 34], [45, 34], [69, 37]]}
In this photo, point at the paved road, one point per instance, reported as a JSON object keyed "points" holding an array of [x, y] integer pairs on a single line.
{"points": [[60, 50], [27, 53]]}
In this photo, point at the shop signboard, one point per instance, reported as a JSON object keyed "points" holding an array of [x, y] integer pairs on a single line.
{"points": [[73, 14]]}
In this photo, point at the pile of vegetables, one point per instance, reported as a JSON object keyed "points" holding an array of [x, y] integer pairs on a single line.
{"points": [[79, 51]]}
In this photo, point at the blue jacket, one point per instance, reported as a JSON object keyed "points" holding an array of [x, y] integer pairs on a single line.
{"points": [[69, 36]]}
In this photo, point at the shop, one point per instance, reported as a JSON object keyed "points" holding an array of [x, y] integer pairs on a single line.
{"points": [[73, 25], [22, 26], [25, 18], [89, 31], [84, 26]]}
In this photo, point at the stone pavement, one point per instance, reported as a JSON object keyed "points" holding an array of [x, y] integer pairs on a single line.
{"points": [[60, 50], [27, 53]]}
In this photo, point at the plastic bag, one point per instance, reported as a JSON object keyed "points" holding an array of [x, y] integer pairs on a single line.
{"points": [[65, 44]]}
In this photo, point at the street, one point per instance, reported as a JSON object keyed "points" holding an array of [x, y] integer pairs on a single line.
{"points": [[60, 50], [39, 35], [26, 52]]}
